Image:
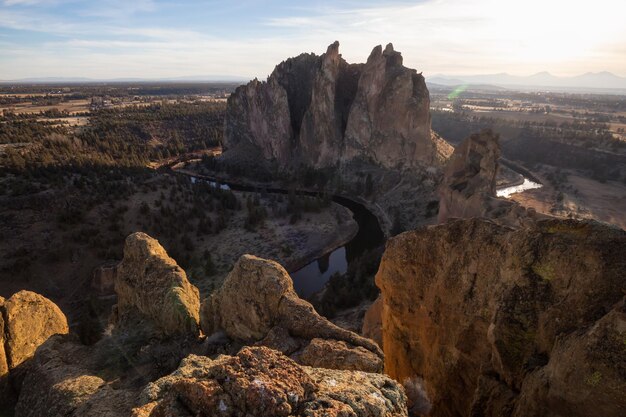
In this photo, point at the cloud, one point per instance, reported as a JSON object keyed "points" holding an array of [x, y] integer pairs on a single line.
{"points": [[120, 38], [27, 2], [119, 9]]}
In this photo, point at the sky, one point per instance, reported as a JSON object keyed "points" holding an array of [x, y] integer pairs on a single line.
{"points": [[107, 39]]}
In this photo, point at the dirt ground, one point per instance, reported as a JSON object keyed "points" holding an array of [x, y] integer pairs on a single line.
{"points": [[72, 106], [586, 199]]}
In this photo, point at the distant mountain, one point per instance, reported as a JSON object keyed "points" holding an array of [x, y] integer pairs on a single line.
{"points": [[589, 81], [191, 78], [50, 80]]}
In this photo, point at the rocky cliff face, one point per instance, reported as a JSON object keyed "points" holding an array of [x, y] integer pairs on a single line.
{"points": [[323, 112], [389, 121], [468, 188], [497, 321]]}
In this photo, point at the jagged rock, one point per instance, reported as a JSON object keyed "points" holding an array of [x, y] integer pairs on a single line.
{"points": [[258, 118], [258, 296], [468, 188], [470, 178], [501, 321], [323, 112], [335, 354], [390, 117], [325, 120], [262, 382], [29, 320], [151, 286]]}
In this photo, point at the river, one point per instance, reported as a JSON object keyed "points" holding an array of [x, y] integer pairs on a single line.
{"points": [[312, 277], [526, 185]]}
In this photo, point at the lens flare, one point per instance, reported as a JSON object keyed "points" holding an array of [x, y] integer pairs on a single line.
{"points": [[457, 92]]}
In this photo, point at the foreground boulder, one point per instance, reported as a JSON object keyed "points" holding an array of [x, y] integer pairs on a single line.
{"points": [[262, 382], [494, 321], [29, 320], [257, 304], [153, 289], [468, 188]]}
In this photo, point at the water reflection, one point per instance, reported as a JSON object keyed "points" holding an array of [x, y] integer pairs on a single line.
{"points": [[315, 275], [211, 183]]}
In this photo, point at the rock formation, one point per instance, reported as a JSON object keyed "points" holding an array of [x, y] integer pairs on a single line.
{"points": [[28, 319], [499, 321], [320, 111], [258, 118], [389, 119], [468, 188], [257, 304], [151, 287], [262, 382]]}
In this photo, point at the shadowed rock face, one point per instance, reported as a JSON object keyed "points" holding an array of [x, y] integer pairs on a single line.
{"points": [[497, 321], [390, 118], [468, 188], [258, 119], [151, 287], [262, 382], [470, 178], [323, 112], [257, 304]]}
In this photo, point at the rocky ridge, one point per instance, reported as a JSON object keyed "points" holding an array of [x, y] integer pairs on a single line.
{"points": [[258, 305], [320, 112], [128, 368], [262, 382]]}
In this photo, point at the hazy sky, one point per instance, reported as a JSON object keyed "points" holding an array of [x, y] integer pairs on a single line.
{"points": [[154, 38]]}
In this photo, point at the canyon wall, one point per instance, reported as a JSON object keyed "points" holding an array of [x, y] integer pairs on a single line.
{"points": [[320, 111], [498, 321]]}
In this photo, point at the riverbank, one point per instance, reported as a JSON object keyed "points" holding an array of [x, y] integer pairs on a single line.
{"points": [[293, 244]]}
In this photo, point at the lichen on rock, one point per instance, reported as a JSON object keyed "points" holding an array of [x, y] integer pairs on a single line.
{"points": [[257, 299], [259, 381]]}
